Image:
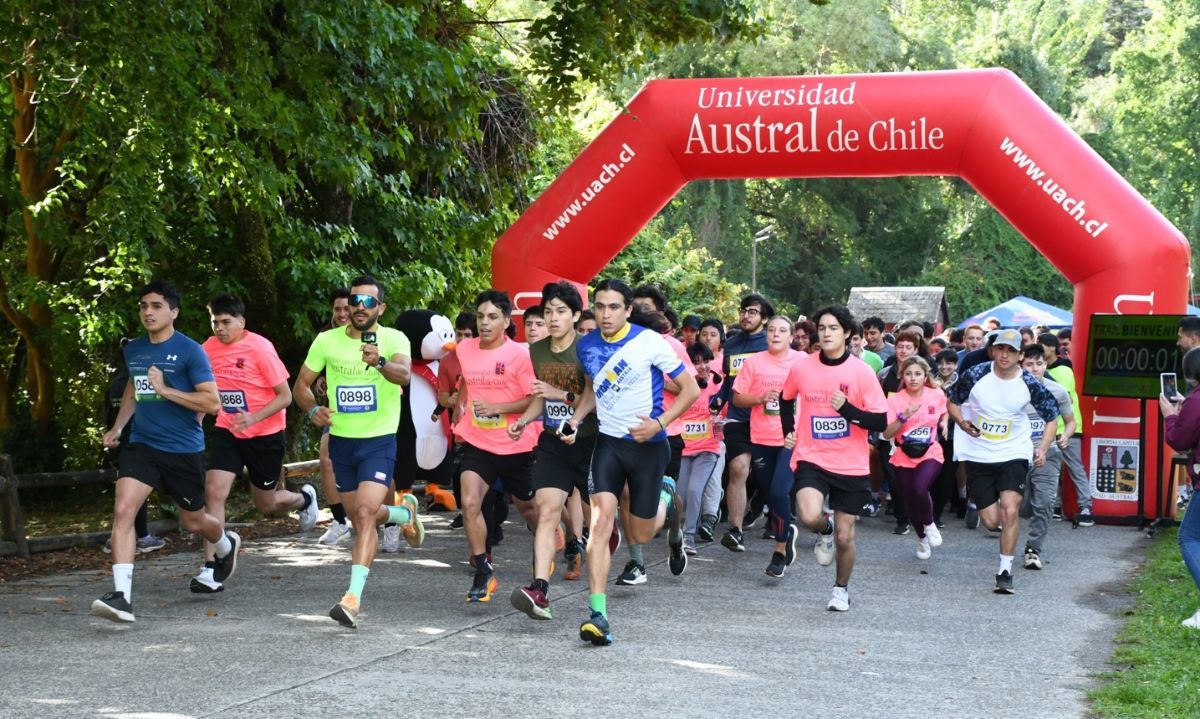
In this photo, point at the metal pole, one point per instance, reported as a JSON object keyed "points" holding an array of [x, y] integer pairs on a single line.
{"points": [[754, 265]]}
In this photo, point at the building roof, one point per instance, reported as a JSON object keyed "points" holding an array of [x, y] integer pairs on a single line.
{"points": [[896, 304]]}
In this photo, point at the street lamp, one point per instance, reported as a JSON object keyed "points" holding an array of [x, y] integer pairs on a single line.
{"points": [[760, 236]]}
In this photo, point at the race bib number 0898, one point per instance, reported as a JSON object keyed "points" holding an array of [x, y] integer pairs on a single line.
{"points": [[356, 398]]}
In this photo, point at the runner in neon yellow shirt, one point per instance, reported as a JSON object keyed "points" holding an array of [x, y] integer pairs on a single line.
{"points": [[364, 365]]}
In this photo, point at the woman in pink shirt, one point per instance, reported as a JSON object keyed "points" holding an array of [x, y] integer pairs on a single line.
{"points": [[916, 418], [701, 446], [757, 388]]}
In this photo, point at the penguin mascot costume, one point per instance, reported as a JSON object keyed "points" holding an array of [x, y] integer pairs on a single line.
{"points": [[423, 439]]}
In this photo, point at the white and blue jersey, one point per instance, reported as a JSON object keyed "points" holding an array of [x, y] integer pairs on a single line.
{"points": [[158, 422], [627, 375]]}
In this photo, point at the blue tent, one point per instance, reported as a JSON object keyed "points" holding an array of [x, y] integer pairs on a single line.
{"points": [[1021, 311]]}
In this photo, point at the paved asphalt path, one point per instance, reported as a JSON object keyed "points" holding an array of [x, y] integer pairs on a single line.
{"points": [[922, 639]]}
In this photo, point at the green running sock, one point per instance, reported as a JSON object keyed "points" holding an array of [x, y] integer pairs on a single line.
{"points": [[399, 515], [635, 553], [598, 603], [358, 579]]}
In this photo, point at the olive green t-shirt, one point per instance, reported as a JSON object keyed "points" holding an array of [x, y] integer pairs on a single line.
{"points": [[564, 371], [364, 403]]}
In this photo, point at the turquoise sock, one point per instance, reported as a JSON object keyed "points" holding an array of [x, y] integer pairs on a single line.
{"points": [[399, 515], [667, 495], [358, 579], [635, 553], [598, 603]]}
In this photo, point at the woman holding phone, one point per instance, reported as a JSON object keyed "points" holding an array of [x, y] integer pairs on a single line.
{"points": [[1183, 434]]}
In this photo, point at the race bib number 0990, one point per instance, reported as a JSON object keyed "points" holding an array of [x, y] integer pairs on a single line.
{"points": [[356, 398], [557, 412]]}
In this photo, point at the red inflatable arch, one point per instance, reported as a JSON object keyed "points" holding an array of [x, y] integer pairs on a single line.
{"points": [[984, 126]]}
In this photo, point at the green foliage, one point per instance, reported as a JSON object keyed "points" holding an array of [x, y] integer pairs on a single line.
{"points": [[693, 279], [1154, 663]]}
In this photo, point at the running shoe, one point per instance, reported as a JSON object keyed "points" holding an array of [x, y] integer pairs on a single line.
{"points": [[933, 535], [224, 567], [732, 540], [108, 545], [678, 558], [1056, 513], [483, 586], [689, 549], [707, 528], [633, 575], [1085, 519], [1004, 583], [308, 517], [874, 508], [391, 539], [414, 531], [150, 543], [203, 583], [614, 539], [457, 522], [113, 607], [901, 527], [923, 549], [336, 533], [573, 568], [824, 549], [532, 601], [345, 612], [596, 630], [840, 601], [789, 547], [751, 519], [777, 566], [1033, 560], [1192, 622], [972, 517]]}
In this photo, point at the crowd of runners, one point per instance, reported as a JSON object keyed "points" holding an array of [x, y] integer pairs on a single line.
{"points": [[609, 427]]}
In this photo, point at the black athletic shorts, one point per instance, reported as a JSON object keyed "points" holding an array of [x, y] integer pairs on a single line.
{"points": [[180, 475], [737, 440], [986, 481], [641, 465], [262, 456], [849, 495], [563, 466], [673, 464], [515, 470]]}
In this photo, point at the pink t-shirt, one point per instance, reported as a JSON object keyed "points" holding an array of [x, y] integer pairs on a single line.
{"points": [[760, 374], [247, 373], [921, 427], [699, 431], [824, 437], [676, 427], [496, 376]]}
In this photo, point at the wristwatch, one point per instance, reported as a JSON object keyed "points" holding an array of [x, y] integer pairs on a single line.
{"points": [[570, 398], [380, 362]]}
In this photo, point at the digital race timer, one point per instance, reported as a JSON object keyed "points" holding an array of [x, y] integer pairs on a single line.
{"points": [[1127, 353]]}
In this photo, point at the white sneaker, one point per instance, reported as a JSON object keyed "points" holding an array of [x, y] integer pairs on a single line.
{"points": [[933, 535], [824, 548], [337, 532], [840, 602], [1192, 622], [204, 583], [391, 539], [923, 548], [308, 517]]}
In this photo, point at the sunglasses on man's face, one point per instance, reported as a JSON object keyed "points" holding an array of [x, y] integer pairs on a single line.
{"points": [[365, 301]]}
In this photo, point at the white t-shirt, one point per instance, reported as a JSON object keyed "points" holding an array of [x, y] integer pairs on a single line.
{"points": [[998, 408], [627, 375]]}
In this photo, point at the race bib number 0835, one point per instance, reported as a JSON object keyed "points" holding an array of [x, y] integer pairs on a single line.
{"points": [[830, 428]]}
